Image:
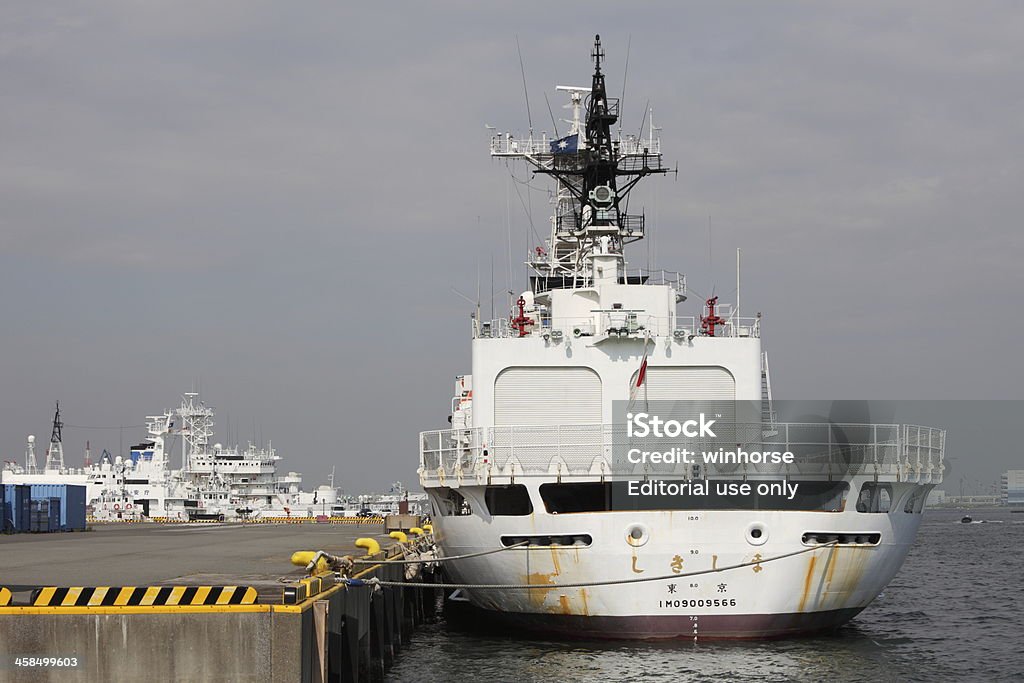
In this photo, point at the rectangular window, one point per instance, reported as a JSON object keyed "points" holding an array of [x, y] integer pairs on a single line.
{"points": [[811, 496], [513, 500], [585, 497]]}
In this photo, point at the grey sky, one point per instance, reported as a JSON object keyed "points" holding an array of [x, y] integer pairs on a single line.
{"points": [[274, 199]]}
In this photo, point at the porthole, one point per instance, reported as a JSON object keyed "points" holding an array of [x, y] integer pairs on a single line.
{"points": [[637, 535], [757, 534]]}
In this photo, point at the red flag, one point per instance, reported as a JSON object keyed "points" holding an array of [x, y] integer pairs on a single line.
{"points": [[642, 374]]}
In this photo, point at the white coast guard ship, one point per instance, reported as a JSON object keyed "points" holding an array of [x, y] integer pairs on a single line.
{"points": [[213, 481], [532, 461]]}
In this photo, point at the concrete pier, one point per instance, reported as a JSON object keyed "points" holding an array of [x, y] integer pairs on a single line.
{"points": [[170, 627]]}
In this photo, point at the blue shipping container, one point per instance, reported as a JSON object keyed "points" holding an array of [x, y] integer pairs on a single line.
{"points": [[6, 513], [17, 508], [72, 510], [71, 503], [55, 514], [40, 516]]}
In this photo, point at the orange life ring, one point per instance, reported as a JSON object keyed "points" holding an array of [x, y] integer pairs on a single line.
{"points": [[128, 506], [116, 506]]}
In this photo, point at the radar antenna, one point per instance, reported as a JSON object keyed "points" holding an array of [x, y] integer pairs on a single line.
{"points": [[595, 173]]}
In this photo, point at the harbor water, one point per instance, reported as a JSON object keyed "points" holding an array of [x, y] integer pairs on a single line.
{"points": [[953, 613]]}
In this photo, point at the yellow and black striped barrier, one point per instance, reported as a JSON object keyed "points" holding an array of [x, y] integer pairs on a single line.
{"points": [[144, 596], [307, 588], [5, 596]]}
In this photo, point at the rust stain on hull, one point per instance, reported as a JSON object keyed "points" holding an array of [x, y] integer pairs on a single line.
{"points": [[563, 603], [830, 569], [544, 583], [808, 575], [554, 561], [831, 584], [846, 578]]}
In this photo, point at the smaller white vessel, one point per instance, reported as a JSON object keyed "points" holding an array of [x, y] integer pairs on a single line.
{"points": [[213, 481]]}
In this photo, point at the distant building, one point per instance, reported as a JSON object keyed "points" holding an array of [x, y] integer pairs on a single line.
{"points": [[1012, 486], [975, 500], [936, 498]]}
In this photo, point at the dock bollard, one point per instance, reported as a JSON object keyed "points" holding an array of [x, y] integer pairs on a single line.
{"points": [[371, 546], [304, 558]]}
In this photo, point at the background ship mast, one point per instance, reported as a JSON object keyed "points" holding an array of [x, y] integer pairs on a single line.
{"points": [[55, 451], [30, 454], [595, 173], [196, 427]]}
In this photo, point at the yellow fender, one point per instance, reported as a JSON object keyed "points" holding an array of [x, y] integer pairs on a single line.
{"points": [[416, 530], [399, 536], [372, 547]]}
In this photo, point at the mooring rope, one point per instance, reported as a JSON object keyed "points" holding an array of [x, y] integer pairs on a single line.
{"points": [[442, 559], [583, 584]]}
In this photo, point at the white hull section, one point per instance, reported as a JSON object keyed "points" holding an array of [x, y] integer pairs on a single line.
{"points": [[823, 587]]}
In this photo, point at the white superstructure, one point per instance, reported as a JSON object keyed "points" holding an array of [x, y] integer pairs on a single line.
{"points": [[533, 460]]}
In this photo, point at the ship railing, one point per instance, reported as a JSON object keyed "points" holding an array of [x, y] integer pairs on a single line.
{"points": [[900, 452], [507, 144], [631, 276], [602, 325], [627, 225]]}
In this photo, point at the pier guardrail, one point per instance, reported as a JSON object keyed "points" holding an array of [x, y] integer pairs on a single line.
{"points": [[902, 451]]}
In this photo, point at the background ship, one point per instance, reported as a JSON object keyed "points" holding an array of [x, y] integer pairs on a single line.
{"points": [[528, 481], [212, 481]]}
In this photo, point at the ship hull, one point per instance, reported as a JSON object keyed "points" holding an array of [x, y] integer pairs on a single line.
{"points": [[692, 573], [658, 627]]}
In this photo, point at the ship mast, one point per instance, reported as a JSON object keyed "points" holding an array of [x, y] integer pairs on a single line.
{"points": [[595, 173], [30, 454], [196, 428], [55, 451]]}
